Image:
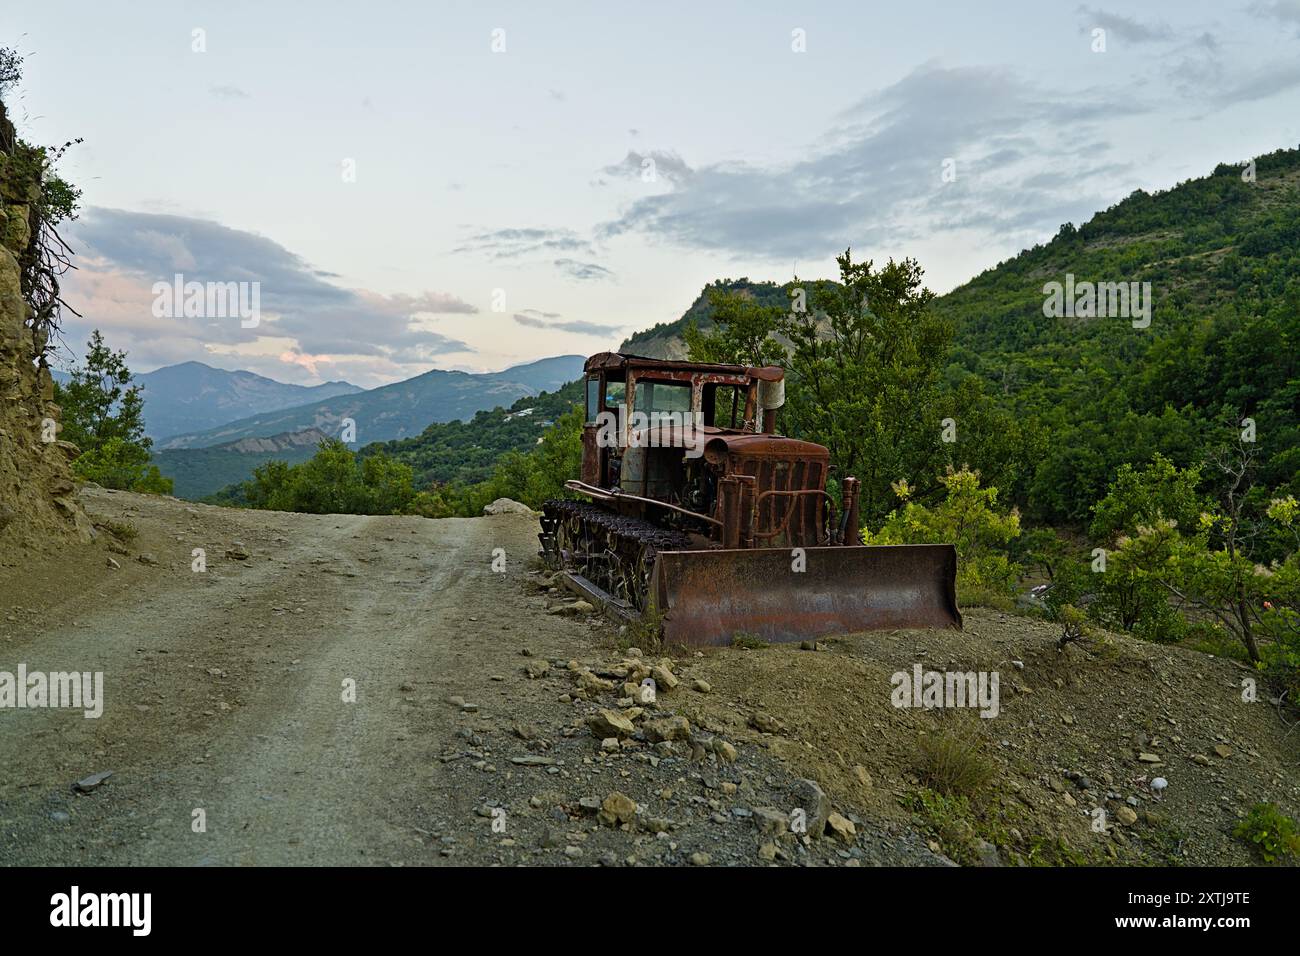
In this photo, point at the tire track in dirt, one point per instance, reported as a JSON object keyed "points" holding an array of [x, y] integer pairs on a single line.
{"points": [[224, 693]]}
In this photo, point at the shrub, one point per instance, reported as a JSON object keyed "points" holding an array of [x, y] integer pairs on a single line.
{"points": [[1074, 626], [1271, 832], [967, 518], [952, 764], [333, 481], [123, 465]]}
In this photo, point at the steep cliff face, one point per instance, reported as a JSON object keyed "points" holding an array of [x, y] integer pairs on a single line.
{"points": [[38, 506]]}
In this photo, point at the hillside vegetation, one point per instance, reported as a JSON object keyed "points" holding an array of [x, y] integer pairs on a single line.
{"points": [[1223, 259], [469, 451]]}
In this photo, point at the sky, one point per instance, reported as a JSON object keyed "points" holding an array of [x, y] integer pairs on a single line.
{"points": [[465, 185]]}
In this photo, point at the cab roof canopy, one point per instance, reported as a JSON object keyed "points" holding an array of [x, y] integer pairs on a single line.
{"points": [[617, 361]]}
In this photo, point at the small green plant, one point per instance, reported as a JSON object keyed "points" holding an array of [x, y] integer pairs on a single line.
{"points": [[1271, 831], [747, 641], [952, 764], [122, 530], [646, 632], [1074, 626], [949, 818]]}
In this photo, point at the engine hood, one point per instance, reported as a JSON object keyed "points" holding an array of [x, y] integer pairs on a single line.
{"points": [[723, 443]]}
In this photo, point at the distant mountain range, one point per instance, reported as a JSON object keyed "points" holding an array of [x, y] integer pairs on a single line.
{"points": [[193, 397], [397, 410], [198, 472], [203, 462]]}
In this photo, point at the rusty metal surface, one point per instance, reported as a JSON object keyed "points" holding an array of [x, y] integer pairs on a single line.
{"points": [[760, 445], [707, 597], [619, 360], [601, 598], [590, 455], [795, 521], [615, 494], [794, 536]]}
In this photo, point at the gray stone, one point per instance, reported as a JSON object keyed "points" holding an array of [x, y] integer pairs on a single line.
{"points": [[88, 784], [809, 796]]}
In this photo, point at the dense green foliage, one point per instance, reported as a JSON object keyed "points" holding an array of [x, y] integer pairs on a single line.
{"points": [[102, 417], [969, 518], [1271, 832], [334, 481], [1223, 259], [865, 360]]}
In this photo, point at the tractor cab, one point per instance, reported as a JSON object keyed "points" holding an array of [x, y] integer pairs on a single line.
{"points": [[634, 402]]}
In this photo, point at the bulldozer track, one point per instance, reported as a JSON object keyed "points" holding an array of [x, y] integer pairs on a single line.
{"points": [[615, 552]]}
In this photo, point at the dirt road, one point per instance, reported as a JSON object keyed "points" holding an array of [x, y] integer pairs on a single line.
{"points": [[230, 731], [225, 689]]}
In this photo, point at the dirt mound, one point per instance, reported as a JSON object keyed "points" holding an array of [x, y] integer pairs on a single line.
{"points": [[1076, 732]]}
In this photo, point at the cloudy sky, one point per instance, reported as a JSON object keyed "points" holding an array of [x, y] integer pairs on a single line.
{"points": [[473, 185]]}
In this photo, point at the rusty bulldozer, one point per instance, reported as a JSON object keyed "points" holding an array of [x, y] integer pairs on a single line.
{"points": [[700, 518]]}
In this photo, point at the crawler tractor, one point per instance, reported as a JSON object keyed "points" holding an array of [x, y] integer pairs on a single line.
{"points": [[702, 519]]}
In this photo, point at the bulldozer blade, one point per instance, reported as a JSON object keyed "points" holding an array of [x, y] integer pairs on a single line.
{"points": [[708, 597]]}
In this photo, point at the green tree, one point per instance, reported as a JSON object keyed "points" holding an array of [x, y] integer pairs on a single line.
{"points": [[121, 464], [103, 417], [270, 487], [866, 357], [1210, 572], [742, 334], [1160, 491], [100, 402], [1130, 592]]}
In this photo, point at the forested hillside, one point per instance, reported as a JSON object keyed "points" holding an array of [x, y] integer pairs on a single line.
{"points": [[1223, 258], [468, 451]]}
